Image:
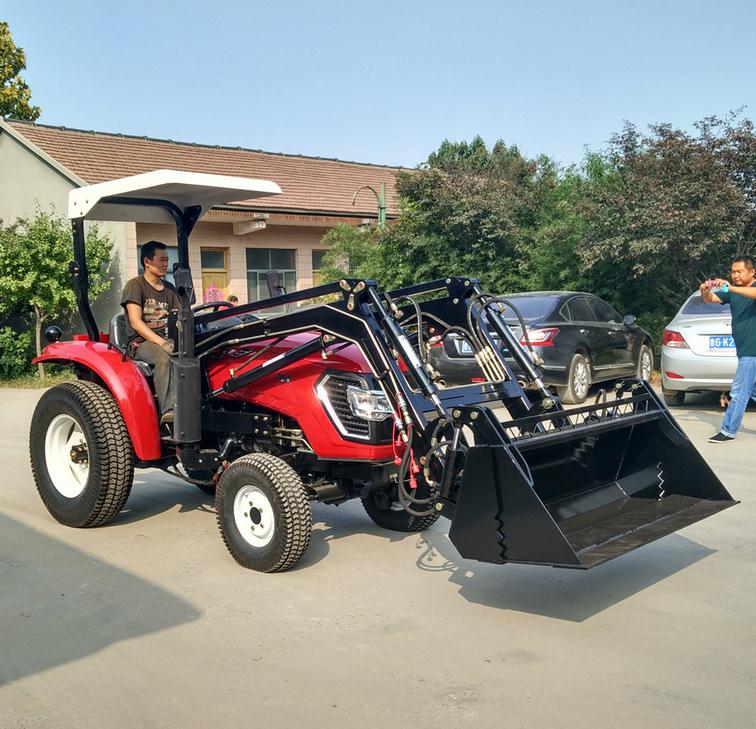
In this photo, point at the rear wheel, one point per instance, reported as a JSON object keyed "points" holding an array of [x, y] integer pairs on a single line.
{"points": [[578, 382], [263, 513], [673, 397], [394, 517], [81, 454], [645, 367]]}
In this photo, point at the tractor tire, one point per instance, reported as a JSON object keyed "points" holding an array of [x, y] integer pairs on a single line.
{"points": [[396, 519], [81, 454], [673, 398], [263, 513], [644, 369], [578, 381]]}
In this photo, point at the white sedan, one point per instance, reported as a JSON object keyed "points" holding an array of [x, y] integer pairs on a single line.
{"points": [[698, 351]]}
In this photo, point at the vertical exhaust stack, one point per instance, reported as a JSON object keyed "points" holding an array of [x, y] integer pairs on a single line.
{"points": [[578, 488]]}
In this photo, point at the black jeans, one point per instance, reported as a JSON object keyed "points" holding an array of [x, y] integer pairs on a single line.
{"points": [[155, 355]]}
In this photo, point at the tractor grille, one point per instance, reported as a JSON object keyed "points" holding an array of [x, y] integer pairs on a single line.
{"points": [[336, 388], [347, 422]]}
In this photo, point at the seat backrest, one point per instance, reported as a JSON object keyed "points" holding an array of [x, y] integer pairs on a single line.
{"points": [[117, 331]]}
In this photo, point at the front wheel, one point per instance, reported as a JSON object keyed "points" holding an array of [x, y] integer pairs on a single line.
{"points": [[394, 517], [578, 381], [81, 454], [263, 513]]}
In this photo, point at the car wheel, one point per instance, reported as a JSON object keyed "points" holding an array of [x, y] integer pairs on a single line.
{"points": [[673, 397], [81, 455], [263, 513], [578, 382], [645, 367]]}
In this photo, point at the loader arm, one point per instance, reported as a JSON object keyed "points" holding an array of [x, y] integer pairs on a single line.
{"points": [[543, 485]]}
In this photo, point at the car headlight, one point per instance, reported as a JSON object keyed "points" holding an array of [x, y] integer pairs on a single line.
{"points": [[368, 404]]}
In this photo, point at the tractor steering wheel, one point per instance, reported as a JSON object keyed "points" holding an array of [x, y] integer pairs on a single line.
{"points": [[214, 305]]}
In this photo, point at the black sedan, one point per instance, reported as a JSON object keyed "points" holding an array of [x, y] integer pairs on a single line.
{"points": [[579, 337]]}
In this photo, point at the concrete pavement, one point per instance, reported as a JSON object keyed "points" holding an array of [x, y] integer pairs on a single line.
{"points": [[148, 622]]}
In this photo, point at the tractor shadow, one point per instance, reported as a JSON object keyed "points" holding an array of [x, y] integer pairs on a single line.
{"points": [[58, 604], [155, 492], [332, 523], [564, 594]]}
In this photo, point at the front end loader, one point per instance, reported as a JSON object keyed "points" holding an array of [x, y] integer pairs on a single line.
{"points": [[333, 397]]}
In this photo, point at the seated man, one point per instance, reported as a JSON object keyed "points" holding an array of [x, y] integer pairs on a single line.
{"points": [[147, 299]]}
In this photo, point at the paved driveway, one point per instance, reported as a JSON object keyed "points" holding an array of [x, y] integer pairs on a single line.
{"points": [[148, 622]]}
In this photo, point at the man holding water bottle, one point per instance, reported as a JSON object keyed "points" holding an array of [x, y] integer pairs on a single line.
{"points": [[741, 296]]}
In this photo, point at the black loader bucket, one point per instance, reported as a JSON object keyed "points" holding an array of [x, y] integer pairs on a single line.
{"points": [[576, 488]]}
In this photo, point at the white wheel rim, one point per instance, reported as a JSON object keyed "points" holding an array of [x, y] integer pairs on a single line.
{"points": [[646, 366], [253, 515], [67, 456], [580, 380]]}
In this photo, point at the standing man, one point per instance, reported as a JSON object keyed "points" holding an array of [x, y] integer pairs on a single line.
{"points": [[741, 296], [147, 300]]}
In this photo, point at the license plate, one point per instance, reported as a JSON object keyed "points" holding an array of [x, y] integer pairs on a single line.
{"points": [[464, 347], [723, 342]]}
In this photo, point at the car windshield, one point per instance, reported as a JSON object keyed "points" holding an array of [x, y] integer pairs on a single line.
{"points": [[696, 306], [530, 307]]}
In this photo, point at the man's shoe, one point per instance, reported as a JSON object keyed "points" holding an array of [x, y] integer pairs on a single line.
{"points": [[720, 438], [167, 418]]}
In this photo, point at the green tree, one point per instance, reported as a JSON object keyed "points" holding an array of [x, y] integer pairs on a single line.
{"points": [[34, 278], [666, 210], [351, 252], [469, 210], [15, 95]]}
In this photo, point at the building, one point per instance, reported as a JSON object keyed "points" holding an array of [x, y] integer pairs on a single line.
{"points": [[233, 246]]}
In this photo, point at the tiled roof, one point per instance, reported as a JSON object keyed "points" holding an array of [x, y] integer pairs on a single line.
{"points": [[308, 183]]}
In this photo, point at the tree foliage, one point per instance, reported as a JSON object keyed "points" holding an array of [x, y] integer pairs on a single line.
{"points": [[639, 223], [668, 210], [15, 95], [34, 277]]}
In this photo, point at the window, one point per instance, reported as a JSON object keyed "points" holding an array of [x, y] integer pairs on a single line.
{"points": [[172, 258], [604, 312], [580, 310], [214, 274], [317, 266], [697, 306], [262, 260]]}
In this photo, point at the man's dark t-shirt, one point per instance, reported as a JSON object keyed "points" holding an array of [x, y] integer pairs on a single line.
{"points": [[743, 321], [155, 305]]}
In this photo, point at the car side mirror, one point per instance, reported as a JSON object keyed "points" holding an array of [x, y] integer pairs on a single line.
{"points": [[628, 320]]}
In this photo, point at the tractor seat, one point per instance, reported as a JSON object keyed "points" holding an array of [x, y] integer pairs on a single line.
{"points": [[117, 337]]}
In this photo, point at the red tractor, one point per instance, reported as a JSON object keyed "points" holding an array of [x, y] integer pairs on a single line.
{"points": [[334, 398]]}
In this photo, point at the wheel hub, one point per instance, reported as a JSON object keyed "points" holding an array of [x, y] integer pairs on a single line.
{"points": [[253, 516], [67, 455]]}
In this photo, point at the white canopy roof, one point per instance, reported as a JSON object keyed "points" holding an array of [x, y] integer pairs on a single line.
{"points": [[181, 188]]}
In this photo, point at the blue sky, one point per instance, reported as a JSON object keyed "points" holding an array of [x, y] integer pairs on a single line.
{"points": [[386, 82]]}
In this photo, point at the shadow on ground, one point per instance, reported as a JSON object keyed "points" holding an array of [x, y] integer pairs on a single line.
{"points": [[565, 594], [58, 604]]}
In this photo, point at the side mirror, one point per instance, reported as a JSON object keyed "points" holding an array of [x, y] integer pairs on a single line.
{"points": [[52, 334], [628, 320]]}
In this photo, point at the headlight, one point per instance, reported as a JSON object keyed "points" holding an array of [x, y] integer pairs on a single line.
{"points": [[368, 404]]}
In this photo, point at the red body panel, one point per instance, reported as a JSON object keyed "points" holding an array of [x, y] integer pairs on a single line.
{"points": [[125, 382], [297, 398]]}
